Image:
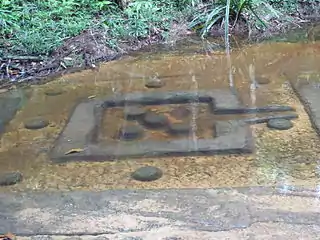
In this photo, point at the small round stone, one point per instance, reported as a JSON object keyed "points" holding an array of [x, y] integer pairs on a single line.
{"points": [[179, 128], [154, 83], [262, 80], [10, 178], [53, 92], [279, 124], [180, 112], [130, 132], [36, 123], [155, 120], [134, 112], [146, 174]]}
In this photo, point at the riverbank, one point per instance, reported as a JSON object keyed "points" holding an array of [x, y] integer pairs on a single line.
{"points": [[34, 52]]}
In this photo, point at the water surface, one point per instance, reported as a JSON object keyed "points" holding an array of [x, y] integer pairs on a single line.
{"points": [[281, 157]]}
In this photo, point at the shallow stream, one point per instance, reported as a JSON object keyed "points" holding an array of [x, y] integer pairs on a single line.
{"points": [[286, 157]]}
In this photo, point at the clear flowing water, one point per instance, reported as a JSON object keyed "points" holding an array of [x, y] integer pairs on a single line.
{"points": [[280, 158]]}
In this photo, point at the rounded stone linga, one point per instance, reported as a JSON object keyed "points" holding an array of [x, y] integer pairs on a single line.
{"points": [[10, 178], [53, 92], [262, 80], [180, 112], [154, 83], [36, 123], [134, 112], [147, 174], [155, 120], [279, 124], [179, 128], [130, 132]]}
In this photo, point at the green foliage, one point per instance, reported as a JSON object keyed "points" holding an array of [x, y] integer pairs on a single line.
{"points": [[141, 18], [288, 5], [215, 13], [38, 27]]}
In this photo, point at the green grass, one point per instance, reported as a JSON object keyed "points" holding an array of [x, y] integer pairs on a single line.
{"points": [[36, 27]]}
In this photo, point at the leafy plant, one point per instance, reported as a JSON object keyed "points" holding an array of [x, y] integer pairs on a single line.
{"points": [[214, 13], [8, 21], [141, 19]]}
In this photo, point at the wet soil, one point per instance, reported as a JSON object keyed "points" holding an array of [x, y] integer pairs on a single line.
{"points": [[280, 157]]}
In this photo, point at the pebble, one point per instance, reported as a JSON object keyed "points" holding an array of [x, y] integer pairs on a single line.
{"points": [[279, 124], [53, 92], [155, 120], [134, 112], [262, 80], [10, 178], [36, 123], [179, 128], [180, 112], [146, 174], [154, 83]]}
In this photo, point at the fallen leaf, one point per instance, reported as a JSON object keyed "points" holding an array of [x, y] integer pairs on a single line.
{"points": [[74, 150], [92, 96]]}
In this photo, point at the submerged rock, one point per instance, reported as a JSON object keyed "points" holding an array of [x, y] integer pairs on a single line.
{"points": [[154, 83], [180, 112], [279, 124], [179, 128], [134, 112], [155, 120], [146, 174], [262, 80], [36, 123], [53, 92], [10, 178]]}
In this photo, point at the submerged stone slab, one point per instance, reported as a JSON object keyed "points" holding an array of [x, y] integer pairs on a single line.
{"points": [[309, 95], [83, 129]]}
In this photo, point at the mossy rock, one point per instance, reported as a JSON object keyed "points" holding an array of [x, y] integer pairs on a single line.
{"points": [[147, 174]]}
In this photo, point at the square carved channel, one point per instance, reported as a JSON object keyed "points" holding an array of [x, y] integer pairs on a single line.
{"points": [[87, 128]]}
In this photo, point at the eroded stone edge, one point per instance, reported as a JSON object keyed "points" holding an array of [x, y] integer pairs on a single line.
{"points": [[125, 211]]}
